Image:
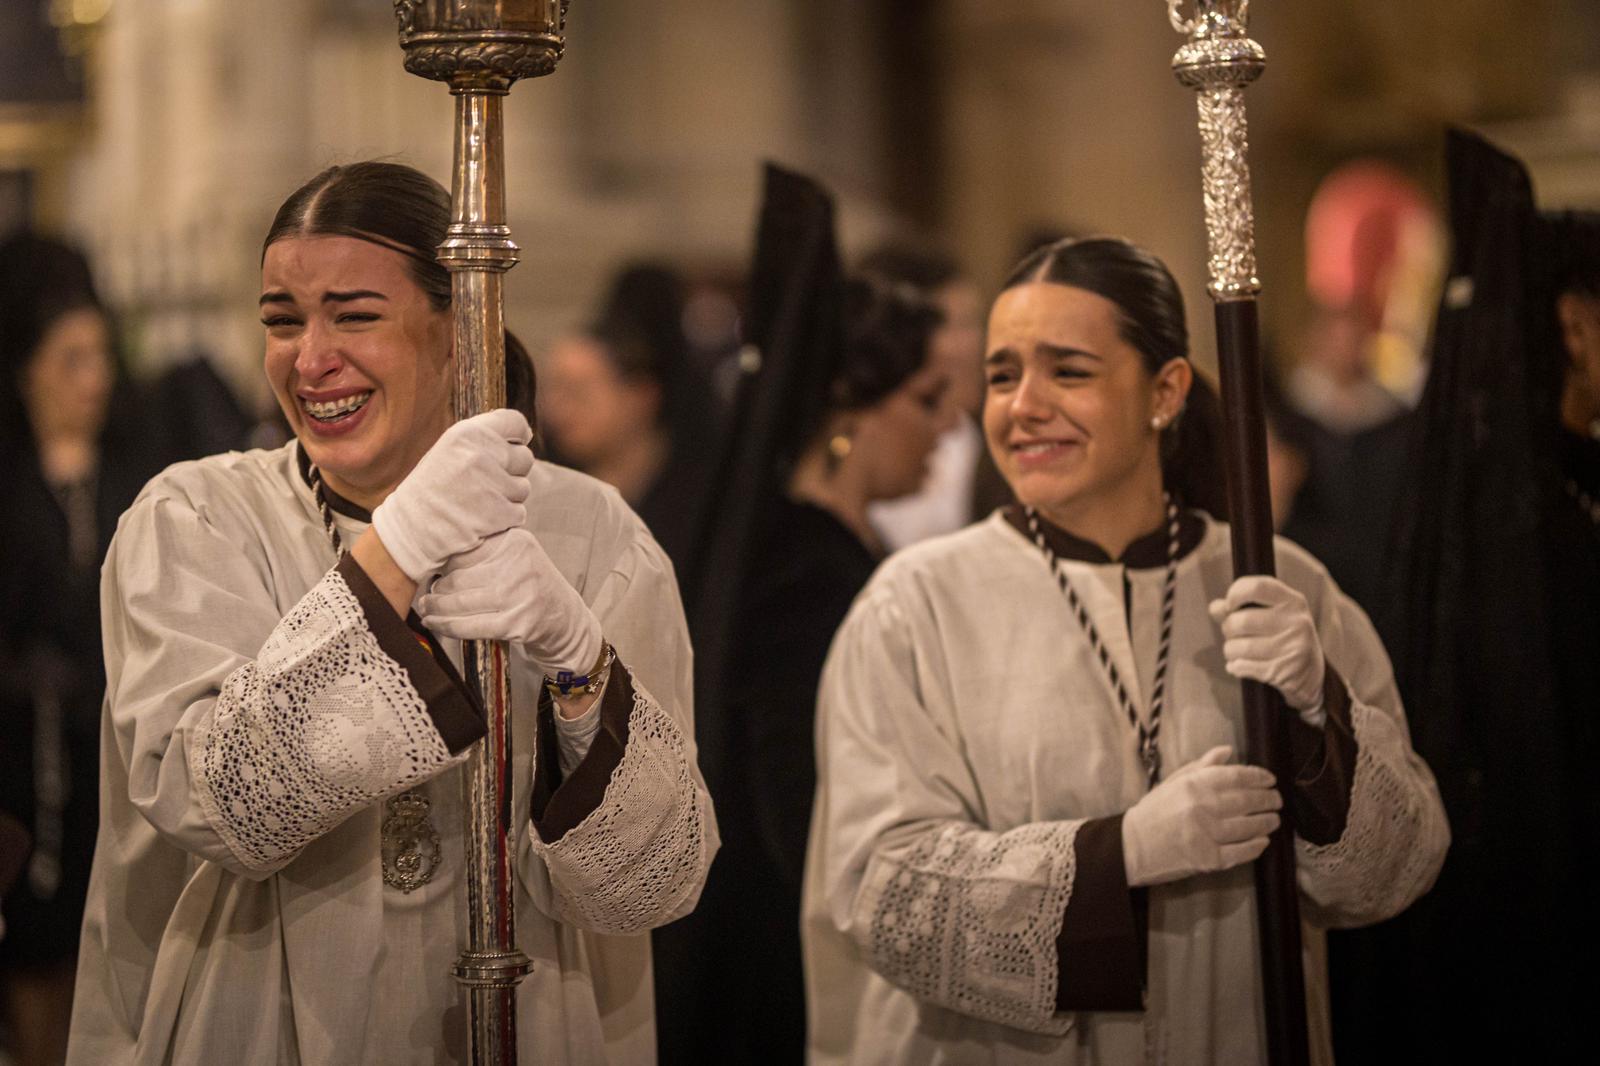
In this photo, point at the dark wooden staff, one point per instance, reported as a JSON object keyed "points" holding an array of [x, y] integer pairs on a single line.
{"points": [[1218, 61]]}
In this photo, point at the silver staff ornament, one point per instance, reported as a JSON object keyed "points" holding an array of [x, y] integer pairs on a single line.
{"points": [[1218, 60], [480, 48]]}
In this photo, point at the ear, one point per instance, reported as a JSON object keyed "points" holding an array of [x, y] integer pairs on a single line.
{"points": [[1170, 390]]}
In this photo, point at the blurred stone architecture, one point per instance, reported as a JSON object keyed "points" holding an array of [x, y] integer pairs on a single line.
{"points": [[970, 119]]}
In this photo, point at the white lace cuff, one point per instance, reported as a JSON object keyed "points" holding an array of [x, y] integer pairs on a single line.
{"points": [[323, 723], [624, 837], [968, 919], [1393, 840]]}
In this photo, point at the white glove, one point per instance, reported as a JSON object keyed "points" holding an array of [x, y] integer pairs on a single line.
{"points": [[470, 485], [1268, 636], [1208, 816], [508, 589]]}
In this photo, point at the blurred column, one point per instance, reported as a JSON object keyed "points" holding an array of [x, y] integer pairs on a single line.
{"points": [[1064, 113]]}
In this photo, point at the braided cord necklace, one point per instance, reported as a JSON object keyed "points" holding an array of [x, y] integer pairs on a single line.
{"points": [[320, 494], [1147, 731], [410, 846]]}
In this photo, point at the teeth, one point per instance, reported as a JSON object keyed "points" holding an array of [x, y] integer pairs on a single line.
{"points": [[337, 408]]}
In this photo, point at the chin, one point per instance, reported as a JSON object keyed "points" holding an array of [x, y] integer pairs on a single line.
{"points": [[341, 458], [1045, 494]]}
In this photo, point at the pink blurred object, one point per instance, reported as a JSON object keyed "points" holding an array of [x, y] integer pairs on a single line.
{"points": [[1356, 231]]}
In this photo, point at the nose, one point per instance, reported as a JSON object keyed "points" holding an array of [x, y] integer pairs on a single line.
{"points": [[1029, 401], [318, 354]]}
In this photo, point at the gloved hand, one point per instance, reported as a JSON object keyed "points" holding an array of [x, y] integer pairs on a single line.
{"points": [[508, 589], [470, 485], [1268, 636], [1208, 816]]}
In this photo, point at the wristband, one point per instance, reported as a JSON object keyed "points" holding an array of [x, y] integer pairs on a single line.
{"points": [[567, 683]]}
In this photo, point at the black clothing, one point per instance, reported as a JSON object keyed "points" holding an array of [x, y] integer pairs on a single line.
{"points": [[1345, 509], [1495, 630], [769, 583], [808, 570], [750, 1002], [52, 679]]}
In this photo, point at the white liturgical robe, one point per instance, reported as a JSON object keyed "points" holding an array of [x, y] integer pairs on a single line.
{"points": [[966, 735], [263, 704]]}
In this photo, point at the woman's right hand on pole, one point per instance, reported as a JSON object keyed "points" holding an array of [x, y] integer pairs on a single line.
{"points": [[1208, 816], [470, 485]]}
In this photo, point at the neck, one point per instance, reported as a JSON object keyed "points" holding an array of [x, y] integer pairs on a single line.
{"points": [[840, 491], [1115, 518], [67, 458], [633, 467], [1578, 412], [365, 498]]}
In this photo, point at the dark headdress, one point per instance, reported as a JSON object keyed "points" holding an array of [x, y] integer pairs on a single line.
{"points": [[1495, 631], [795, 334], [794, 330]]}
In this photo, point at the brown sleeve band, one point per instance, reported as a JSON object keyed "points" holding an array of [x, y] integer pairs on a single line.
{"points": [[1099, 956], [453, 707], [1325, 759], [559, 805]]}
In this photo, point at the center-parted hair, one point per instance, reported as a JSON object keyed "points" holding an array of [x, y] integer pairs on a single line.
{"points": [[400, 208], [1150, 319]]}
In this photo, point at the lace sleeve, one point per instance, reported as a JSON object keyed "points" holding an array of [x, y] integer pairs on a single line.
{"points": [[1395, 832], [968, 919], [904, 877], [624, 839], [1394, 837], [322, 723]]}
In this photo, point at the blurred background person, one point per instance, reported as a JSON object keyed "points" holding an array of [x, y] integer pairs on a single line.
{"points": [[622, 401], [962, 483], [846, 409], [1374, 266], [1494, 624], [67, 480]]}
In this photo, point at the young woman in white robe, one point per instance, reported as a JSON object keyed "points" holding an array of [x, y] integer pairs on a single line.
{"points": [[279, 873], [1009, 861]]}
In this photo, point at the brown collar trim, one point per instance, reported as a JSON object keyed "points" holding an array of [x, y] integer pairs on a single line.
{"points": [[339, 504], [1146, 552]]}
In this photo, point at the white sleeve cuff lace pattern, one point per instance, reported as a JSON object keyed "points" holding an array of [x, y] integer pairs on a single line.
{"points": [[634, 861], [1394, 838], [968, 920], [320, 725]]}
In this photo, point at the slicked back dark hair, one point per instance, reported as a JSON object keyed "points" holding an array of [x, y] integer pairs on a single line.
{"points": [[390, 204], [1149, 303], [1150, 319]]}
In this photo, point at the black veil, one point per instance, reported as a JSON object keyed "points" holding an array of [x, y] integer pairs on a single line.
{"points": [[794, 334], [1494, 589]]}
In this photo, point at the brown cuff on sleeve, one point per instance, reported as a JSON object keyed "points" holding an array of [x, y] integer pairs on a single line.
{"points": [[454, 708], [1099, 962], [559, 805], [1326, 766]]}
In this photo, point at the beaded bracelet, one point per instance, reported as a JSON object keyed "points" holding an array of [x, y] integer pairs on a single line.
{"points": [[567, 683]]}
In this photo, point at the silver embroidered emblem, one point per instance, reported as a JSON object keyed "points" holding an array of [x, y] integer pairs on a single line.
{"points": [[410, 843]]}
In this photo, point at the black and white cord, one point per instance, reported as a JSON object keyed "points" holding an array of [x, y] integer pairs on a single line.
{"points": [[1147, 731]]}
